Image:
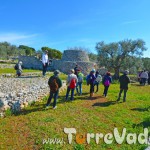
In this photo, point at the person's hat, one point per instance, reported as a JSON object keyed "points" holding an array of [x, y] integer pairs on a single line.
{"points": [[46, 51], [72, 70], [126, 72], [20, 62], [108, 73], [93, 70], [56, 72]]}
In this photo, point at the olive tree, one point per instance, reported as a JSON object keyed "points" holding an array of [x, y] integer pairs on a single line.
{"points": [[113, 55]]}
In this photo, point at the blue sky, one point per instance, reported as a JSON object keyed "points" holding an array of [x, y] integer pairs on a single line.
{"points": [[63, 24]]}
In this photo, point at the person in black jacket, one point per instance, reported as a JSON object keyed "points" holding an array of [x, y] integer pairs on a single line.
{"points": [[124, 81]]}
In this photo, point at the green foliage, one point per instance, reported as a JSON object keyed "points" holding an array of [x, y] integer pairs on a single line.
{"points": [[129, 63], [92, 57], [113, 55], [7, 50], [28, 50], [146, 63], [52, 53]]}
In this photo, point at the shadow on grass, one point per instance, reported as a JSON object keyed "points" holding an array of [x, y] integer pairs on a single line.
{"points": [[38, 106], [144, 124], [32, 109], [105, 104], [139, 85], [41, 106], [141, 109]]}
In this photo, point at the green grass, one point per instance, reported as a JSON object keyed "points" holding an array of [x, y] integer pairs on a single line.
{"points": [[28, 129], [12, 70]]}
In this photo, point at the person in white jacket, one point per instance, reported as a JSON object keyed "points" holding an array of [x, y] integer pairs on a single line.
{"points": [[71, 84], [45, 62]]}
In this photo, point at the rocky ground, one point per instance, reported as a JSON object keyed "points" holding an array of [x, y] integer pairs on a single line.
{"points": [[16, 93]]}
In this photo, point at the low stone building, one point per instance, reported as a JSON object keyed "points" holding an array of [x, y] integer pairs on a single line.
{"points": [[69, 60]]}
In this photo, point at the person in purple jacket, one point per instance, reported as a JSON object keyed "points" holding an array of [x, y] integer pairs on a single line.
{"points": [[106, 82]]}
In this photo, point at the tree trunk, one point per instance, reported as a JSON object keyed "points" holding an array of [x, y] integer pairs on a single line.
{"points": [[117, 71]]}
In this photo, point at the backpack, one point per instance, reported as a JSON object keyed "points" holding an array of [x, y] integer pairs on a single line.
{"points": [[16, 67], [54, 85], [88, 79], [107, 82], [72, 83]]}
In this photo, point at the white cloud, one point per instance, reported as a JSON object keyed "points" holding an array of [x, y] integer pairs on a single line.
{"points": [[15, 37]]}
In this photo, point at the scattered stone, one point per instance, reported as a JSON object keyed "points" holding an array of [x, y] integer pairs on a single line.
{"points": [[17, 93]]}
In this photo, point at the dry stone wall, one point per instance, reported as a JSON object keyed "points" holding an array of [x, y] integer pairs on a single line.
{"points": [[65, 66], [31, 62], [69, 60]]}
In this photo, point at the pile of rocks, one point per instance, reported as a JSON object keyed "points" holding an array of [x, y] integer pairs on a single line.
{"points": [[16, 93], [7, 65]]}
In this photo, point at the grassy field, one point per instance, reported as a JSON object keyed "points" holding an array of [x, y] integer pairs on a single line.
{"points": [[34, 124], [11, 70]]}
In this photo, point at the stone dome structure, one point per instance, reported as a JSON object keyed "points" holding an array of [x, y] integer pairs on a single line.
{"points": [[71, 58], [75, 55]]}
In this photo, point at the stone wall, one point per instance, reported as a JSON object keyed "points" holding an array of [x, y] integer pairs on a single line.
{"points": [[65, 66], [31, 62], [69, 60], [7, 66]]}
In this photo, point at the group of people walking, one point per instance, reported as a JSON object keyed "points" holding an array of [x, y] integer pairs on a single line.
{"points": [[144, 77], [74, 82], [75, 79]]}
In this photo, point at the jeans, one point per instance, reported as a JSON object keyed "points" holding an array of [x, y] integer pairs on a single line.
{"points": [[143, 81], [149, 80], [72, 93], [97, 86], [79, 84], [105, 90], [45, 68], [55, 95]]}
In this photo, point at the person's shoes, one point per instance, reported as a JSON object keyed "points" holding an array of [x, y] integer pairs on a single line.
{"points": [[55, 107], [104, 95]]}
